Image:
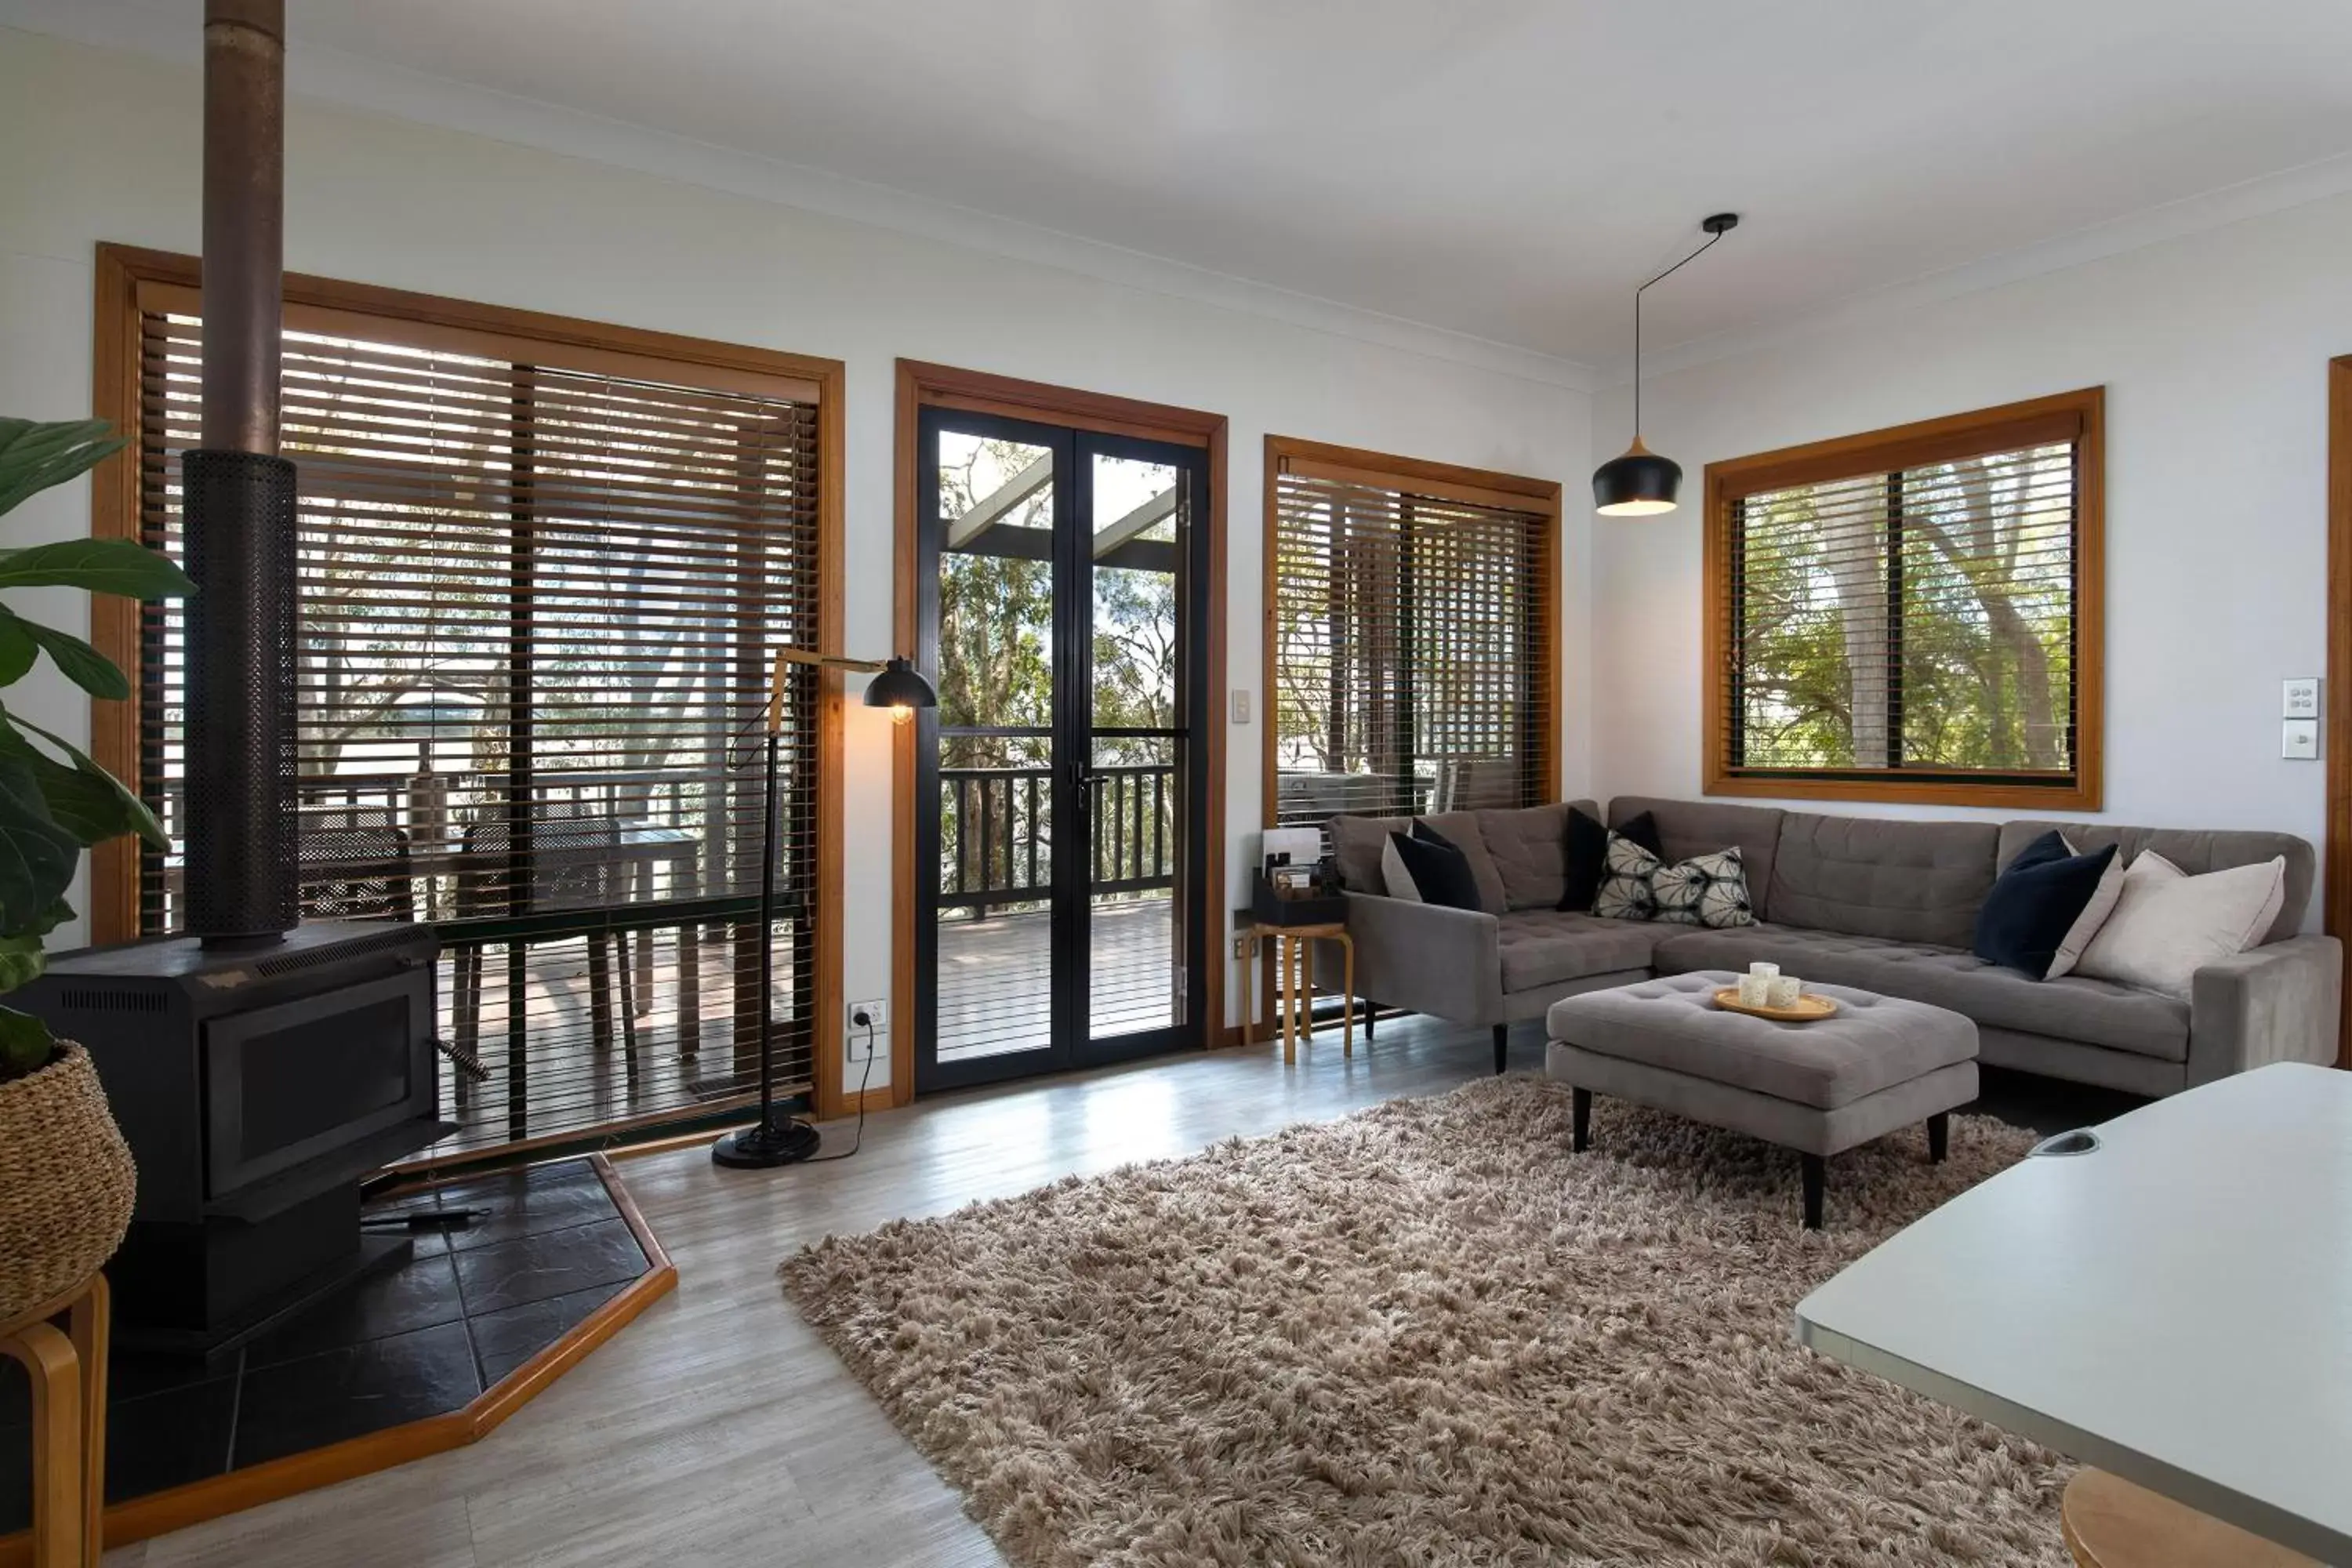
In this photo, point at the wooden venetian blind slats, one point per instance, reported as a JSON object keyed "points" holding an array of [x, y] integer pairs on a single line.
{"points": [[1919, 619], [1412, 649], [539, 606]]}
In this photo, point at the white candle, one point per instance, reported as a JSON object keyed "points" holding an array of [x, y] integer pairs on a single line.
{"points": [[1755, 990], [1763, 971], [1785, 989]]}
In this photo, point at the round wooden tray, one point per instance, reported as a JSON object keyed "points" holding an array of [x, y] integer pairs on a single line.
{"points": [[1809, 1008]]}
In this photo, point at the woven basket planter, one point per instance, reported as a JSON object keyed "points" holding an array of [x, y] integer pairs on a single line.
{"points": [[66, 1182]]}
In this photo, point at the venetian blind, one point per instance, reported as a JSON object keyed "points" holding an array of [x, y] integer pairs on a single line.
{"points": [[1919, 619], [1412, 650], [537, 605]]}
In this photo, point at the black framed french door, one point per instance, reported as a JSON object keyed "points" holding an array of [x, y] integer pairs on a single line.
{"points": [[1061, 577]]}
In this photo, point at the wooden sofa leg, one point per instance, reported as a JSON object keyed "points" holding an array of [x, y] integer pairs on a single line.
{"points": [[1816, 1174], [1580, 1120], [1939, 1136], [1502, 1047], [1371, 1013]]}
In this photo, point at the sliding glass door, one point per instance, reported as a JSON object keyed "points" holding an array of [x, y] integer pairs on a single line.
{"points": [[1062, 774]]}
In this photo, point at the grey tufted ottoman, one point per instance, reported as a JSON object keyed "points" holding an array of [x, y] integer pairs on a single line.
{"points": [[1820, 1088]]}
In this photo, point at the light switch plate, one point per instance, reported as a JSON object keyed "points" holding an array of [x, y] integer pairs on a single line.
{"points": [[2299, 697], [2299, 739], [1241, 705]]}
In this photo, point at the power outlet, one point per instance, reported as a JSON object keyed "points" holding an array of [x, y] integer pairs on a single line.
{"points": [[1241, 947], [869, 1024]]}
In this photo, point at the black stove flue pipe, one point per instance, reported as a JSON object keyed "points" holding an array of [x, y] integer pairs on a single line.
{"points": [[243, 841]]}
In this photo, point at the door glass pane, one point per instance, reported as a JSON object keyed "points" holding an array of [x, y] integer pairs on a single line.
{"points": [[1136, 812], [995, 748]]}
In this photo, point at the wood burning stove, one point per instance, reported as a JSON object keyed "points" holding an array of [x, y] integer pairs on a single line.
{"points": [[257, 1086]]}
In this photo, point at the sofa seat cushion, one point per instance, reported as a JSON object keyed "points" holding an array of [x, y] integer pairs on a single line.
{"points": [[2094, 1011], [1871, 1045], [1549, 947]]}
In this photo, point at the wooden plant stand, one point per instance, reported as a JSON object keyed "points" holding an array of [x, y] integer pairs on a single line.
{"points": [[68, 1370]]}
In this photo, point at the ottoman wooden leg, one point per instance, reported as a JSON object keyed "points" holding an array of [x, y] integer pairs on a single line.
{"points": [[1579, 1117], [1502, 1048], [1939, 1136], [1816, 1174]]}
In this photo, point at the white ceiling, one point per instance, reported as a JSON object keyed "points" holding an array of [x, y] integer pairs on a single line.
{"points": [[1502, 169]]}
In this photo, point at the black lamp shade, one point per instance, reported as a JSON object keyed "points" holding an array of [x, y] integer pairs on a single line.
{"points": [[900, 685], [1639, 484]]}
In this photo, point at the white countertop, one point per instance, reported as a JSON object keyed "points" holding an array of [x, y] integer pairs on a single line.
{"points": [[2175, 1307]]}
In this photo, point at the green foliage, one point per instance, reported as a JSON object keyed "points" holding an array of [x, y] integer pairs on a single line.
{"points": [[995, 660], [55, 801], [1982, 630]]}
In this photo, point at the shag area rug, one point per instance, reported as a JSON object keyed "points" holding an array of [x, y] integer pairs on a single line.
{"points": [[1429, 1334]]}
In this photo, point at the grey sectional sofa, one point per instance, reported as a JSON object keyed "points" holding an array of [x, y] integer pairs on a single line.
{"points": [[1881, 904]]}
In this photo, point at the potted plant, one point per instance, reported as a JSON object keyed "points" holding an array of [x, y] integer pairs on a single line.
{"points": [[66, 1178]]}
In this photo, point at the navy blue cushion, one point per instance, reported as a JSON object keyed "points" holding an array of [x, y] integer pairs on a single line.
{"points": [[1588, 853], [1438, 868], [2036, 902]]}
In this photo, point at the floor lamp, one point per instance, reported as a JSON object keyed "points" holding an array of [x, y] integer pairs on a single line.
{"points": [[898, 686]]}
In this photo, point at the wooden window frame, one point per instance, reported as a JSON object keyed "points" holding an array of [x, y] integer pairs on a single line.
{"points": [[1451, 481], [925, 386], [128, 276], [2078, 416]]}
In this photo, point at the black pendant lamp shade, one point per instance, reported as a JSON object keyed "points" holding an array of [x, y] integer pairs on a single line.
{"points": [[900, 688], [1641, 483]]}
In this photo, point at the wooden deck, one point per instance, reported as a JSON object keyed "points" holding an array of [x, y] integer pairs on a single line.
{"points": [[995, 976], [995, 990], [580, 1072]]}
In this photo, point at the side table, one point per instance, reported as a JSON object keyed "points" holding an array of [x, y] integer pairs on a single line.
{"points": [[1297, 990], [67, 1372]]}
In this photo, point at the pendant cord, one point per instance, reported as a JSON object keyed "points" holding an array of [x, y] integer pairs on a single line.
{"points": [[1661, 277]]}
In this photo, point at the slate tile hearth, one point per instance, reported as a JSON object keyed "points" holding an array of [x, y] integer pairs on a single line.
{"points": [[548, 1246]]}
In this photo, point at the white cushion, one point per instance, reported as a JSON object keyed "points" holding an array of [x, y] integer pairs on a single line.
{"points": [[1393, 876], [2094, 916], [2167, 924]]}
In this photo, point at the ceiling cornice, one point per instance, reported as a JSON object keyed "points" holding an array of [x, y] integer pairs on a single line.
{"points": [[2315, 182], [343, 79]]}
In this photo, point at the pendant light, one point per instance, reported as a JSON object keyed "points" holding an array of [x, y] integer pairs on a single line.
{"points": [[1641, 483]]}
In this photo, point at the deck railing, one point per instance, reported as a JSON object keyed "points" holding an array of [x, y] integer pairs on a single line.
{"points": [[996, 839]]}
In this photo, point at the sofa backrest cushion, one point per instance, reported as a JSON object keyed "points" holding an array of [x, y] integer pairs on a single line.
{"points": [[1357, 843], [1530, 847], [1692, 828], [2195, 851], [1883, 877]]}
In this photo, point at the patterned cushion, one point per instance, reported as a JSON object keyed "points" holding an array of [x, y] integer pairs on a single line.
{"points": [[1708, 891]]}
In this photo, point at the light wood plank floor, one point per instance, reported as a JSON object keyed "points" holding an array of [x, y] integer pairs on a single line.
{"points": [[718, 1430]]}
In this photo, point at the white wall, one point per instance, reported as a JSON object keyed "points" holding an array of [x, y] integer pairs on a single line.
{"points": [[2213, 350], [104, 146]]}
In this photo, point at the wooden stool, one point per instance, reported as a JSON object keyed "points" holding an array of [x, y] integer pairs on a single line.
{"points": [[68, 1377], [1291, 955], [2111, 1523]]}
